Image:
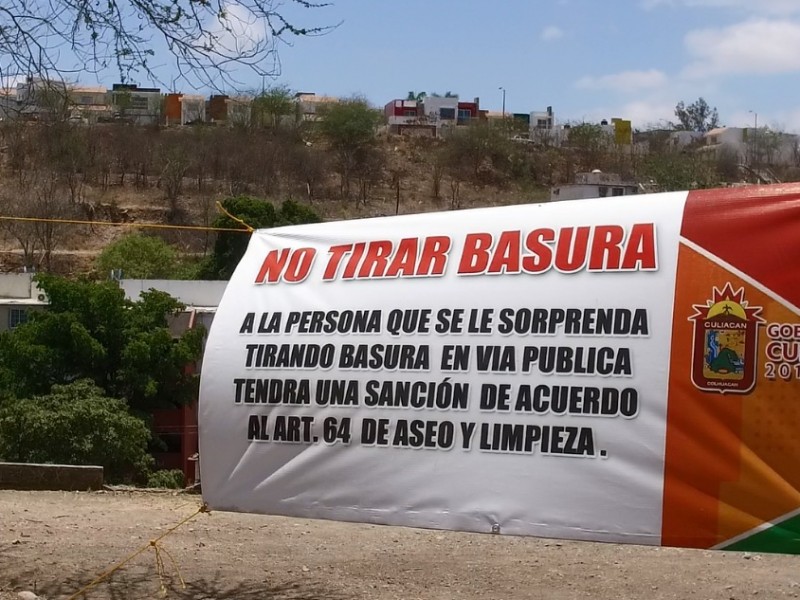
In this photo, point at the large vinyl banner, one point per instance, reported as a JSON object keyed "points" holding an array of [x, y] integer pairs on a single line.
{"points": [[620, 369]]}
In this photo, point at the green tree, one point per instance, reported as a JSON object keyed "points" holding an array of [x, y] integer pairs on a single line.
{"points": [[698, 116], [258, 214], [139, 257], [294, 213], [76, 424], [271, 105], [349, 127], [90, 330]]}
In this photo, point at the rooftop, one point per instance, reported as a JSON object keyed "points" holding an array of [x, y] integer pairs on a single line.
{"points": [[88, 89]]}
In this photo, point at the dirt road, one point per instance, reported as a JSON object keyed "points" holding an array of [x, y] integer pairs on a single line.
{"points": [[55, 542]]}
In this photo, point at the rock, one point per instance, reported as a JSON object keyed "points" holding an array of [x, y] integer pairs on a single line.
{"points": [[27, 596]]}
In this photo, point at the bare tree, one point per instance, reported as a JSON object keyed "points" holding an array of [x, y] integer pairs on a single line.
{"points": [[305, 168], [13, 204], [205, 40], [368, 170], [436, 177], [455, 191], [49, 203], [175, 165], [63, 147], [398, 171]]}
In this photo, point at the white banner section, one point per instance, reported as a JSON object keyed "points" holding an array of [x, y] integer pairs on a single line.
{"points": [[494, 370]]}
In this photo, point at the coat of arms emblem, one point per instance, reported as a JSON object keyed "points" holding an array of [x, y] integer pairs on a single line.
{"points": [[725, 342]]}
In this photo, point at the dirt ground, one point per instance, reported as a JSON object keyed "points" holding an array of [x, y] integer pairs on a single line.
{"points": [[53, 543]]}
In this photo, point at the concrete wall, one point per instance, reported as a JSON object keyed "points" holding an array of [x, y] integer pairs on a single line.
{"points": [[191, 293], [18, 291], [432, 105], [586, 191], [193, 109], [16, 285], [23, 476]]}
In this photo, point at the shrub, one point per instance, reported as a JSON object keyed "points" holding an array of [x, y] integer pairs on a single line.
{"points": [[76, 424], [139, 257], [166, 478]]}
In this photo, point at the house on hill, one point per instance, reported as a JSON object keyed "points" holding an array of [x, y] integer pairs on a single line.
{"points": [[594, 185], [754, 146], [177, 427], [19, 297]]}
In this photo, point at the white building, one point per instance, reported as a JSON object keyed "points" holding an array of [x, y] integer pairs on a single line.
{"points": [[594, 185], [141, 106], [542, 120], [440, 108], [39, 98], [193, 109], [308, 105], [681, 139], [749, 145], [19, 296], [201, 298], [89, 103]]}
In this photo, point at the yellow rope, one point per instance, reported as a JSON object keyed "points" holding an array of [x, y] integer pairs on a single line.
{"points": [[112, 224], [159, 561], [174, 564], [160, 570], [237, 219]]}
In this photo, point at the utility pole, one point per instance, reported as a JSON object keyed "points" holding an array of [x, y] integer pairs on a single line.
{"points": [[755, 137], [504, 100]]}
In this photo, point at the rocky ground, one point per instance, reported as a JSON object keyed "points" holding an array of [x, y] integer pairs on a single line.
{"points": [[53, 543]]}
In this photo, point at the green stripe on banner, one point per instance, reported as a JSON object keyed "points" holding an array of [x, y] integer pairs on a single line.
{"points": [[782, 538]]}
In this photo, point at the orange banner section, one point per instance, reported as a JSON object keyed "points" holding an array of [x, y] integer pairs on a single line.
{"points": [[731, 448]]}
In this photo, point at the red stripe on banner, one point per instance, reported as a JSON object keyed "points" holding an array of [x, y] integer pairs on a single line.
{"points": [[756, 229]]}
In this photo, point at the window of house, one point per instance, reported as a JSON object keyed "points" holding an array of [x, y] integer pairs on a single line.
{"points": [[617, 191], [603, 190], [409, 113], [16, 317], [139, 103], [542, 124], [447, 113]]}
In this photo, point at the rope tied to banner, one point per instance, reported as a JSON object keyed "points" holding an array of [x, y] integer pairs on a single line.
{"points": [[134, 224], [236, 219], [160, 569], [246, 227]]}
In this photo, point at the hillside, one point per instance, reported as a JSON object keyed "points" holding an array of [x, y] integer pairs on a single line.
{"points": [[175, 176], [106, 180]]}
